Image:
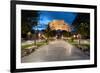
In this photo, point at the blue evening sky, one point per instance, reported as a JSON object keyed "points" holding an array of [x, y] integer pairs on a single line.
{"points": [[44, 17]]}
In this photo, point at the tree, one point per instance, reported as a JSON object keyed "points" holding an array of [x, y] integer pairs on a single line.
{"points": [[28, 20], [84, 29], [82, 24]]}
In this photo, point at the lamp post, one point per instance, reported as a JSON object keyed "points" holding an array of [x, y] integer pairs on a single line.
{"points": [[35, 35], [35, 38], [79, 38]]}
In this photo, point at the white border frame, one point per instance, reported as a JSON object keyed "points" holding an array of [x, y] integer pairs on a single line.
{"points": [[20, 65]]}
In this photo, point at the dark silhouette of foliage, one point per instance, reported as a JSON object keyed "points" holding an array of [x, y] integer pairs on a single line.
{"points": [[28, 20], [82, 24]]}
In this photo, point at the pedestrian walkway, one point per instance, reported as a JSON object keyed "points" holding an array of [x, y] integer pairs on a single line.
{"points": [[57, 50]]}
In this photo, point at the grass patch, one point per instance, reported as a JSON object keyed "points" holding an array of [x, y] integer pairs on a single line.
{"points": [[72, 42], [28, 45], [38, 44], [75, 42]]}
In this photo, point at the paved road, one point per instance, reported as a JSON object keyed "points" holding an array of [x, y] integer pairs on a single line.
{"points": [[58, 50]]}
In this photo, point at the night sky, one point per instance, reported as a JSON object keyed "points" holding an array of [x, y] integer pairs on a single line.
{"points": [[44, 17]]}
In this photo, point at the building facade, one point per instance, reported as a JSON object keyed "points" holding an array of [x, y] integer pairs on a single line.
{"points": [[59, 25]]}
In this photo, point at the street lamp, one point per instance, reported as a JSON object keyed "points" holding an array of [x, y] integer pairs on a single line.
{"points": [[79, 38], [35, 35]]}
